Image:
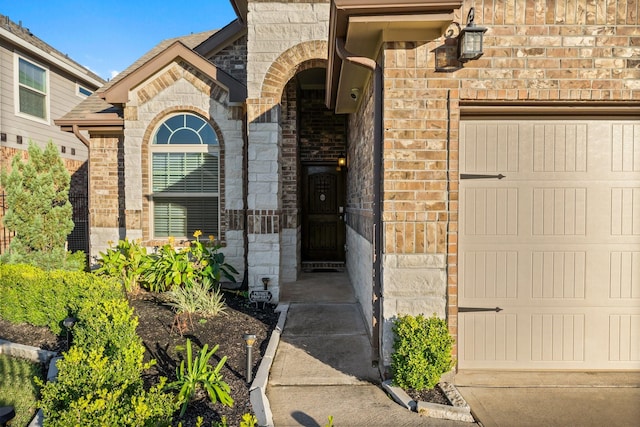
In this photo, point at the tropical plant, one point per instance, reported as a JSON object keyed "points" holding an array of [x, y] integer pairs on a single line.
{"points": [[170, 267], [198, 373], [127, 261], [422, 351], [208, 260], [39, 210]]}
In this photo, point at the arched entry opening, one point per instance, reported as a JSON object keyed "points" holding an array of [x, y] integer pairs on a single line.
{"points": [[313, 139]]}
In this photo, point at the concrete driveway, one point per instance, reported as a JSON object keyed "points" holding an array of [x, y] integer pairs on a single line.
{"points": [[509, 399]]}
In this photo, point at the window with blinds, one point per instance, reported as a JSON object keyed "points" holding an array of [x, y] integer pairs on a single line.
{"points": [[185, 178], [32, 89]]}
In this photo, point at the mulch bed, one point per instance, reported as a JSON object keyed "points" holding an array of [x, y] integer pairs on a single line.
{"points": [[161, 339], [435, 395]]}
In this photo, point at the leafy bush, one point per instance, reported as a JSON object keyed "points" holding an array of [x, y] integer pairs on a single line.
{"points": [[44, 298], [127, 262], [170, 267], [89, 392], [422, 351], [100, 378], [198, 373]]}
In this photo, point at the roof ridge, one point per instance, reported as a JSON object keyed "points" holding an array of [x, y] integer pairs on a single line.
{"points": [[25, 34]]}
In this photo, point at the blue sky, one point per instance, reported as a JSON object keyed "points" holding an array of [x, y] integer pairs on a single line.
{"points": [[109, 35]]}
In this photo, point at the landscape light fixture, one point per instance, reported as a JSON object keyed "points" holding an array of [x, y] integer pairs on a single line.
{"points": [[249, 339], [69, 322], [470, 39]]}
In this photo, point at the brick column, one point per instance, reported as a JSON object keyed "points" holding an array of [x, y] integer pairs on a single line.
{"points": [[106, 193]]}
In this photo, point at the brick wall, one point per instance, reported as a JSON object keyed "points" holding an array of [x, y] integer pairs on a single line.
{"points": [[322, 132], [233, 59], [534, 51], [77, 168]]}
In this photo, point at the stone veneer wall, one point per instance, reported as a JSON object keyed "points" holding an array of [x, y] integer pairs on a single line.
{"points": [[284, 38], [359, 213], [546, 51], [121, 208]]}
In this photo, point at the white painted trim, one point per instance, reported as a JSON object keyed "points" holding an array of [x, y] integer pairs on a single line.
{"points": [[16, 89]]}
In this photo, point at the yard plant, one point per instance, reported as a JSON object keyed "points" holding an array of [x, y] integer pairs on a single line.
{"points": [[198, 373], [39, 211], [422, 351]]}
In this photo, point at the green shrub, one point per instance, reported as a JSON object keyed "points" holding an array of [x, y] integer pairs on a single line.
{"points": [[44, 298], [127, 262], [100, 378], [422, 351], [90, 391]]}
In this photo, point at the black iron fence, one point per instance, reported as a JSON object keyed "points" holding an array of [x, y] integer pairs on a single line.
{"points": [[78, 240]]}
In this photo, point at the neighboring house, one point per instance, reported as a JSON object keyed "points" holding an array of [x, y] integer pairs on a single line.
{"points": [[229, 132], [37, 85]]}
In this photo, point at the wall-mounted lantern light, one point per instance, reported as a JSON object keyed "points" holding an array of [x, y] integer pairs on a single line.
{"points": [[470, 39], [342, 161]]}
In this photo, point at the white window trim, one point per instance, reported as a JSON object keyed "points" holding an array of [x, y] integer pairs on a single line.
{"points": [[16, 92], [80, 94], [179, 148]]}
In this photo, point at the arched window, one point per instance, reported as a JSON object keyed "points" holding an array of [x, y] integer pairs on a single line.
{"points": [[185, 177]]}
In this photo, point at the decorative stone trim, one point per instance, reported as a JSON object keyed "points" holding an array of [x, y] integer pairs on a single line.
{"points": [[264, 221]]}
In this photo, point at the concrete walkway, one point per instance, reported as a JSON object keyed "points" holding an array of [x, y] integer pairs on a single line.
{"points": [[322, 365]]}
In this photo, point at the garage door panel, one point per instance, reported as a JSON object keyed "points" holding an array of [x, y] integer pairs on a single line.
{"points": [[625, 149], [624, 278], [559, 211], [624, 338], [624, 203], [560, 147], [489, 337], [555, 244]]}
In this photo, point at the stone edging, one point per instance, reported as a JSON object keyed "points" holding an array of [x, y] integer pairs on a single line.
{"points": [[33, 354], [258, 389], [459, 411]]}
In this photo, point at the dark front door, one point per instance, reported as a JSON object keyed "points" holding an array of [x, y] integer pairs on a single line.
{"points": [[323, 232]]}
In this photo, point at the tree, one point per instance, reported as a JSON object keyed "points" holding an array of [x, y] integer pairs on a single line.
{"points": [[39, 211]]}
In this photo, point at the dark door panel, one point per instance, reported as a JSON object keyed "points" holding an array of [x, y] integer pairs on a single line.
{"points": [[323, 232]]}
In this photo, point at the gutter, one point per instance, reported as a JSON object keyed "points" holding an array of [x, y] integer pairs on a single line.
{"points": [[373, 66]]}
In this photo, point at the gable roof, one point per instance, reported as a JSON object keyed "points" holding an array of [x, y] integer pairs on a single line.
{"points": [[118, 93], [23, 37]]}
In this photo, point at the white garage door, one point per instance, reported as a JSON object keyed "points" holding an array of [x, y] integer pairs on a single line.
{"points": [[555, 244]]}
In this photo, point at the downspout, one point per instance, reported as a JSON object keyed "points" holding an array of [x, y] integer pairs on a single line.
{"points": [[245, 197], [373, 66], [81, 137]]}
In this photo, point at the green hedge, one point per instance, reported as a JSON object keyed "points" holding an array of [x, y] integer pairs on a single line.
{"points": [[44, 298], [100, 378]]}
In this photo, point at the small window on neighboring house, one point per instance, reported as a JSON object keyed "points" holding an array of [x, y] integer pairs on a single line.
{"points": [[32, 89], [83, 91], [185, 178]]}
